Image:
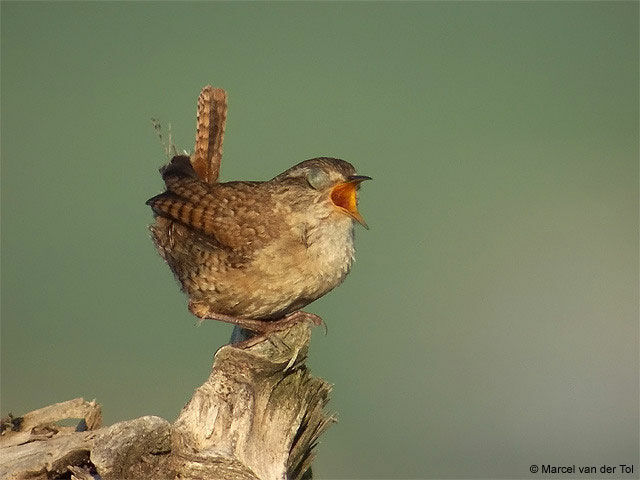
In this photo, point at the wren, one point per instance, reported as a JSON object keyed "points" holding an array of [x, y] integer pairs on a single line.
{"points": [[255, 253]]}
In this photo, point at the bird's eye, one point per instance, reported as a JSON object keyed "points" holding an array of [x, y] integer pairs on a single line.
{"points": [[318, 178]]}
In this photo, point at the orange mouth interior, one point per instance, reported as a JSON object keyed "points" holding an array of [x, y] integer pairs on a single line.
{"points": [[343, 196]]}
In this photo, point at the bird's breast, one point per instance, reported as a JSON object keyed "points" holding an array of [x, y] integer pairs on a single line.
{"points": [[310, 261], [330, 249]]}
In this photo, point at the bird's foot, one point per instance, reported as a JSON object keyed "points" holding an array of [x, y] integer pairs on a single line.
{"points": [[261, 327], [271, 326], [300, 315]]}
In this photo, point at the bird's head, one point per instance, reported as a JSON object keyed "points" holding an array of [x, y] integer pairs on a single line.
{"points": [[332, 181]]}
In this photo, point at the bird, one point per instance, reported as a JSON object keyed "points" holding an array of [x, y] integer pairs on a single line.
{"points": [[254, 253]]}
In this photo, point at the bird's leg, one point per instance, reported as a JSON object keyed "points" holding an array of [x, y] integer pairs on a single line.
{"points": [[203, 312]]}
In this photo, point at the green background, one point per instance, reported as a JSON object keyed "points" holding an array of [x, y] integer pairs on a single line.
{"points": [[491, 319]]}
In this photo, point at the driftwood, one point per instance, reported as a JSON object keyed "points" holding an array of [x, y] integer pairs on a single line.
{"points": [[258, 416]]}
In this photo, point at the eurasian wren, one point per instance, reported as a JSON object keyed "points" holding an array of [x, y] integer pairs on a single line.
{"points": [[255, 253]]}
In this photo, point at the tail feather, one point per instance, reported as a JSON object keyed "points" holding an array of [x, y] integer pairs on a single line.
{"points": [[212, 116]]}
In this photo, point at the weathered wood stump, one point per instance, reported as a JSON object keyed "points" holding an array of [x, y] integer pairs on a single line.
{"points": [[258, 416]]}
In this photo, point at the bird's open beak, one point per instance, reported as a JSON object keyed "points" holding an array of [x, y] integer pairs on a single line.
{"points": [[344, 197]]}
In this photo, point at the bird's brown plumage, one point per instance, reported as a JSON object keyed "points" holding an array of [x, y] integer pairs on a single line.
{"points": [[253, 249]]}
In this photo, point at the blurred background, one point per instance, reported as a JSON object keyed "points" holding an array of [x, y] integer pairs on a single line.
{"points": [[491, 319]]}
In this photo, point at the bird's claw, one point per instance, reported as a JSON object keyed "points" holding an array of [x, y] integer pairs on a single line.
{"points": [[316, 319]]}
